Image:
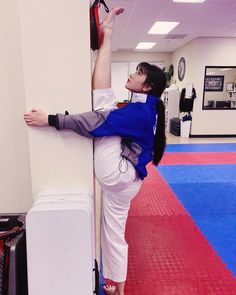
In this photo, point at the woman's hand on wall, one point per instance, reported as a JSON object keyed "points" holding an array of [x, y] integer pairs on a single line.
{"points": [[37, 118]]}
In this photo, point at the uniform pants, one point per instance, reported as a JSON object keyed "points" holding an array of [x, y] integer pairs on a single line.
{"points": [[120, 184]]}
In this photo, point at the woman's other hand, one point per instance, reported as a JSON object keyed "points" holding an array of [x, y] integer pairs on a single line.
{"points": [[37, 118]]}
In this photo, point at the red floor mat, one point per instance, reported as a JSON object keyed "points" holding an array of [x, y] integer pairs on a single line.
{"points": [[183, 287], [199, 158], [163, 288], [156, 198], [217, 287], [168, 254]]}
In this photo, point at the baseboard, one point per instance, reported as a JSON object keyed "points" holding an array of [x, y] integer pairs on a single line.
{"points": [[212, 135]]}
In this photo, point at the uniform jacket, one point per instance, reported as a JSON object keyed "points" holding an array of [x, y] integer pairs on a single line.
{"points": [[135, 124]]}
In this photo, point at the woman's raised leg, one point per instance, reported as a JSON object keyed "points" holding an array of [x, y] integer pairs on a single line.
{"points": [[102, 80]]}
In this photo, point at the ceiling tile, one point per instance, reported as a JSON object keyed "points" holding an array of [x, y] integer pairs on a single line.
{"points": [[213, 18]]}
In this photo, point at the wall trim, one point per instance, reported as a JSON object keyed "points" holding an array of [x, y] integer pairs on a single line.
{"points": [[212, 135]]}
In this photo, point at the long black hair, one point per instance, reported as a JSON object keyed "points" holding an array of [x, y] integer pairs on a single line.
{"points": [[157, 80]]}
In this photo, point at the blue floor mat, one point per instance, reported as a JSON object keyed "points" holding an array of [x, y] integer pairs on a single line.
{"points": [[207, 199], [221, 232], [199, 147], [208, 192], [198, 173]]}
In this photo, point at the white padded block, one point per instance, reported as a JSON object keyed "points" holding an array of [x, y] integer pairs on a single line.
{"points": [[60, 244]]}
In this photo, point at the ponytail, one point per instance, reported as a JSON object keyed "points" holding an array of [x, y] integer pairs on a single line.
{"points": [[160, 136], [157, 80]]}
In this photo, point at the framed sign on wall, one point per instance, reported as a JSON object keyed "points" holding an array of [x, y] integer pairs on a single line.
{"points": [[214, 83]]}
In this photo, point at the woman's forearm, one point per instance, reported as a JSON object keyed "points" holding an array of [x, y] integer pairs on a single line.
{"points": [[102, 71]]}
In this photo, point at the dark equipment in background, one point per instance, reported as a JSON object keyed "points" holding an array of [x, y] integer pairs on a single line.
{"points": [[175, 126], [13, 263]]}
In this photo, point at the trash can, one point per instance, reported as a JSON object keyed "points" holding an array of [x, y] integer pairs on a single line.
{"points": [[185, 129]]}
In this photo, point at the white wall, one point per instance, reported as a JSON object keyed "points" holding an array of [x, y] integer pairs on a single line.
{"points": [[198, 54], [125, 63], [15, 188], [57, 74], [45, 62], [127, 56]]}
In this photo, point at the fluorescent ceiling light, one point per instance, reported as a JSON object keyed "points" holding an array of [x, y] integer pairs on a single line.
{"points": [[145, 45], [189, 1], [162, 27]]}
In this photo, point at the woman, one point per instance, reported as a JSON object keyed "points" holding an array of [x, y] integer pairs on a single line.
{"points": [[124, 144]]}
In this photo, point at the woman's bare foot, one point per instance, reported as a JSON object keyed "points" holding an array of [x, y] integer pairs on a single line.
{"points": [[107, 26], [109, 289]]}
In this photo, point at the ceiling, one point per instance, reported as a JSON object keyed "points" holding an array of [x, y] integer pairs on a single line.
{"points": [[213, 18]]}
